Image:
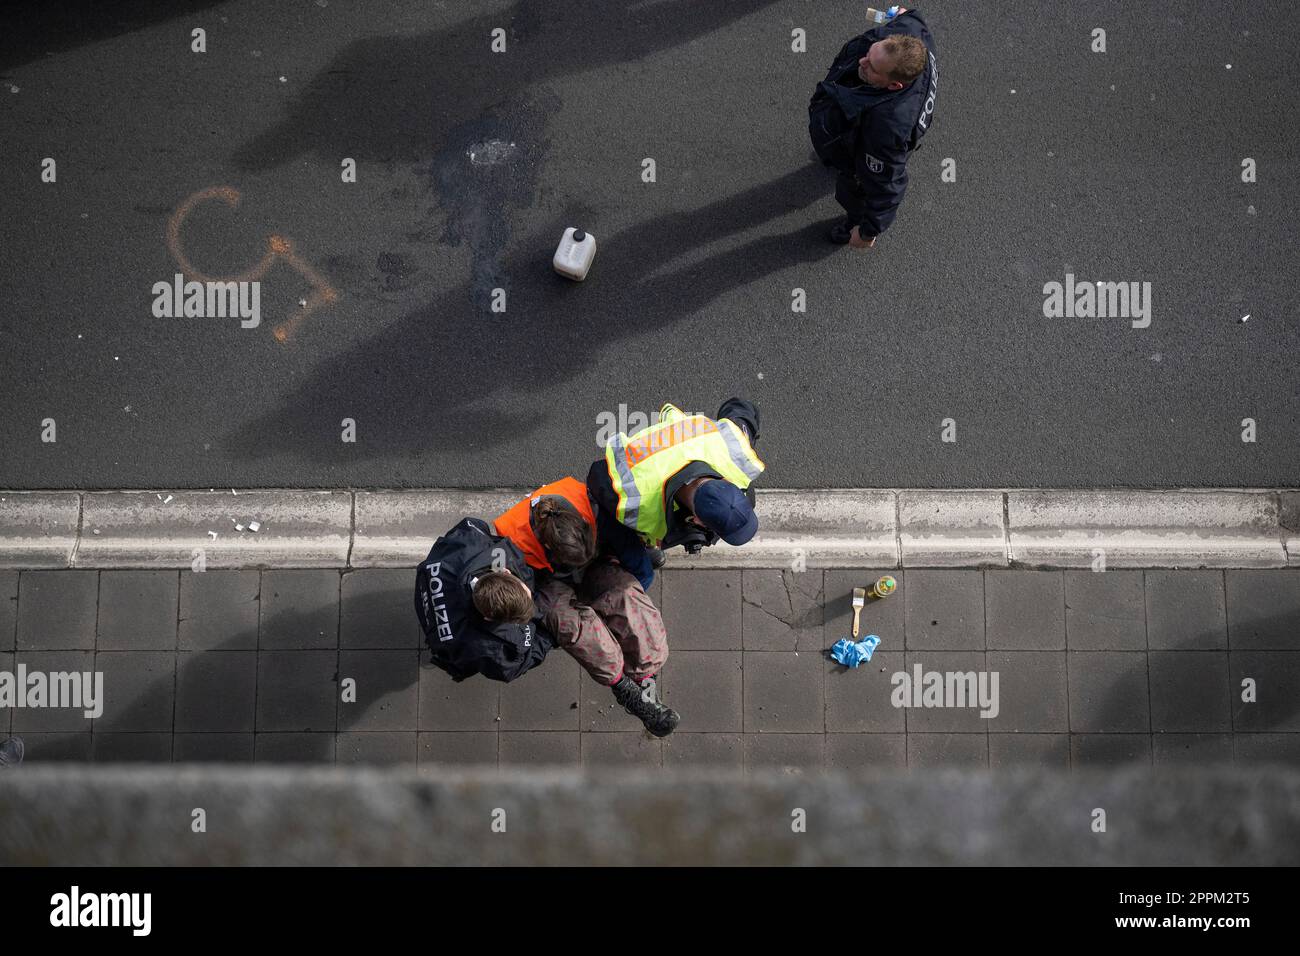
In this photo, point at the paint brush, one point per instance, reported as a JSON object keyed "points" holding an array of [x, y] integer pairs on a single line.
{"points": [[859, 599]]}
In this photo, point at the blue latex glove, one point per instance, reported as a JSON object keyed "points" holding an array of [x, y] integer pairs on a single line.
{"points": [[851, 655]]}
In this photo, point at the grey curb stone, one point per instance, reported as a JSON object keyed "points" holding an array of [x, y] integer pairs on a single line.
{"points": [[1289, 502], [1145, 529], [136, 529], [38, 529], [829, 528], [824, 528], [952, 529], [395, 529]]}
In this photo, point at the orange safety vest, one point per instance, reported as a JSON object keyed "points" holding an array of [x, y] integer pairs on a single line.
{"points": [[516, 524]]}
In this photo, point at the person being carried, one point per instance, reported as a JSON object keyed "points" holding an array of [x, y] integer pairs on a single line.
{"points": [[684, 480], [597, 611], [474, 598]]}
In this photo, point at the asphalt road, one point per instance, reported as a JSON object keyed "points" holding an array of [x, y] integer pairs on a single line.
{"points": [[1116, 166]]}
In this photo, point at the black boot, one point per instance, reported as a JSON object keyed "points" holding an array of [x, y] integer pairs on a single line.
{"points": [[11, 752], [642, 702], [657, 558]]}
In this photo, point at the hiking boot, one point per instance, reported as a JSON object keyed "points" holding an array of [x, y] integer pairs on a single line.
{"points": [[840, 234], [11, 752], [657, 558], [642, 702]]}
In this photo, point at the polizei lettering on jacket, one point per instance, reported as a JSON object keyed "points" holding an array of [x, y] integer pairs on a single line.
{"points": [[924, 120], [434, 595]]}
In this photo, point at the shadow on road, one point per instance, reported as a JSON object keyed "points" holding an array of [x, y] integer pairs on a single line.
{"points": [[394, 98], [34, 28], [447, 364]]}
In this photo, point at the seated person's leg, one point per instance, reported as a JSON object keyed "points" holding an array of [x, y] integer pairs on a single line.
{"points": [[630, 615], [580, 631]]}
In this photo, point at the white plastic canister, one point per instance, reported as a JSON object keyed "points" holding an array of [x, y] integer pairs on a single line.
{"points": [[574, 254]]}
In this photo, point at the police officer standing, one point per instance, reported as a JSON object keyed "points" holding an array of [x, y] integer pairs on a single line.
{"points": [[868, 116]]}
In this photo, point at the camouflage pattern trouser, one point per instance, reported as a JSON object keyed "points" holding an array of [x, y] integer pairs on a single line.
{"points": [[609, 623]]}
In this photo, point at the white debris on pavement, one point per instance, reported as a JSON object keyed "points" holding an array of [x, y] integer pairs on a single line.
{"points": [[254, 526]]}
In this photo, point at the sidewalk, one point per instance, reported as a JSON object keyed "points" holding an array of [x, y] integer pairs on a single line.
{"points": [[1094, 669]]}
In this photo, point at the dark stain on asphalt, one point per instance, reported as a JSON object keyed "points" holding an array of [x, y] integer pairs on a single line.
{"points": [[485, 170]]}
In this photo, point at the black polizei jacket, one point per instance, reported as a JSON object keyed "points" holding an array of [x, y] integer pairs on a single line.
{"points": [[462, 642], [871, 132]]}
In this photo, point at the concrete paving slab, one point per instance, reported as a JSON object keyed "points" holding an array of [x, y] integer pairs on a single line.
{"points": [[865, 751], [944, 610], [219, 610], [299, 610], [139, 690], [944, 751], [790, 753], [717, 751], [1189, 692], [8, 610], [297, 691], [1108, 692], [1012, 751], [1097, 751], [1032, 693], [46, 719], [57, 610], [1185, 610], [1024, 610], [1263, 609], [477, 748], [137, 610], [383, 748], [212, 748], [1105, 611], [706, 688], [1197, 750], [387, 685], [216, 692]]}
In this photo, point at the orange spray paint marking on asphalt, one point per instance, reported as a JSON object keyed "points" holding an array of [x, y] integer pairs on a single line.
{"points": [[277, 247]]}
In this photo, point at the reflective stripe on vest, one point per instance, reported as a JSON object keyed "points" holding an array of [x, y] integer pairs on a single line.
{"points": [[640, 466]]}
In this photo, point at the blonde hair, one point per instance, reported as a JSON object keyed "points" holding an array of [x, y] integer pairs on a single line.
{"points": [[909, 57]]}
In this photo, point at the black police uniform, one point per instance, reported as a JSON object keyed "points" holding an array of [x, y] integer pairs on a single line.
{"points": [[867, 133], [461, 641]]}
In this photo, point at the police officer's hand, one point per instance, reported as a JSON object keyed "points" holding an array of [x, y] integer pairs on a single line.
{"points": [[857, 242]]}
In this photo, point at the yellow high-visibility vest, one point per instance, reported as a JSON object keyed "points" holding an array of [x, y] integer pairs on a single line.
{"points": [[641, 465]]}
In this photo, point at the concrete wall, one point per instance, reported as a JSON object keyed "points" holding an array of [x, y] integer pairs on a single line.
{"points": [[85, 815]]}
